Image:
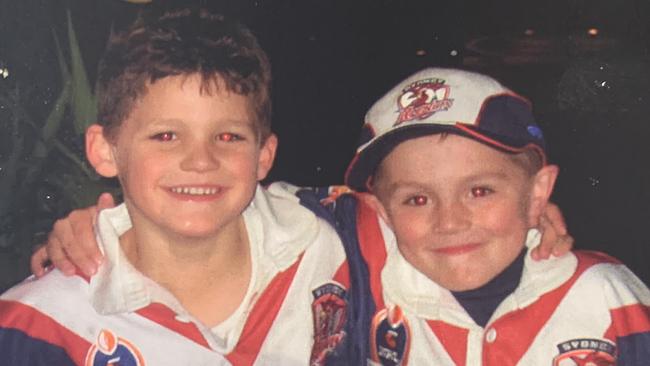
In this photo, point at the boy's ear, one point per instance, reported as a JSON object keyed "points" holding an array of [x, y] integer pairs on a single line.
{"points": [[267, 156], [99, 152], [541, 190], [374, 202]]}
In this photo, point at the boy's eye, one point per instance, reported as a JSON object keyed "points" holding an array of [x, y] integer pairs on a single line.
{"points": [[480, 191], [164, 136], [417, 201], [229, 137]]}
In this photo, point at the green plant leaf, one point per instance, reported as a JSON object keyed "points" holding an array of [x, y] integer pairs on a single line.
{"points": [[63, 64], [83, 102], [52, 123]]}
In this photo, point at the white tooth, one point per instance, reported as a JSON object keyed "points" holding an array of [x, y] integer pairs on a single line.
{"points": [[194, 190]]}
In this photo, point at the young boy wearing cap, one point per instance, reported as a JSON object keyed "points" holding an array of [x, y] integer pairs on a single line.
{"points": [[201, 262], [456, 169]]}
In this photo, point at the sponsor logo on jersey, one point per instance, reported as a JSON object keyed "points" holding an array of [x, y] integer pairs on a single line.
{"points": [[111, 350], [423, 98], [390, 337], [329, 311], [585, 352]]}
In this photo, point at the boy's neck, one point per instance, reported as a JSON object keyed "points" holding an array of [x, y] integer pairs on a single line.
{"points": [[196, 271], [482, 302]]}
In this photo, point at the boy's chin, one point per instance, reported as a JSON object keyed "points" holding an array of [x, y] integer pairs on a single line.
{"points": [[463, 284]]}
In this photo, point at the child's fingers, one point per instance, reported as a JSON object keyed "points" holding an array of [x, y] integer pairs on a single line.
{"points": [[564, 246], [563, 240], [555, 239], [79, 242], [105, 200], [549, 240], [58, 257], [38, 261], [555, 219]]}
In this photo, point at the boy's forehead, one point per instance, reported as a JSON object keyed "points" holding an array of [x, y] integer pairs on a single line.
{"points": [[418, 157], [187, 98]]}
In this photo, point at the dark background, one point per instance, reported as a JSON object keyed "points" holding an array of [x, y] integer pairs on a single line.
{"points": [[332, 59]]}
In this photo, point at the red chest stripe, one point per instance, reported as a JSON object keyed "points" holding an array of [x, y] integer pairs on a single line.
{"points": [[166, 317], [261, 318], [517, 330], [453, 338]]}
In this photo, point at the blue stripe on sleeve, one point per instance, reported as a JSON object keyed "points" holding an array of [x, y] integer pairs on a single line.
{"points": [[634, 350], [19, 349]]}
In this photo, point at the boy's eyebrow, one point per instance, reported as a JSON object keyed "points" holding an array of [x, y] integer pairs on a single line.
{"points": [[227, 123], [407, 184], [500, 174], [402, 185]]}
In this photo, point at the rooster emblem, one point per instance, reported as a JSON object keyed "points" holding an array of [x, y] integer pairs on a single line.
{"points": [[422, 99]]}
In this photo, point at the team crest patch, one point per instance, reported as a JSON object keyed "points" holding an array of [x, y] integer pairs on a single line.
{"points": [[329, 311], [111, 350], [390, 337], [585, 352], [423, 98]]}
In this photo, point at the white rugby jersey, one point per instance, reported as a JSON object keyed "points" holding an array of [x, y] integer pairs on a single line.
{"points": [[120, 317], [584, 308]]}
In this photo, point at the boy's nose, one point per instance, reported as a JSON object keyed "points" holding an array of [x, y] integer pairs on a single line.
{"points": [[199, 157], [451, 217]]}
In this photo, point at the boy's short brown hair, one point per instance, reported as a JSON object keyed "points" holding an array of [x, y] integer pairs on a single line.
{"points": [[182, 42]]}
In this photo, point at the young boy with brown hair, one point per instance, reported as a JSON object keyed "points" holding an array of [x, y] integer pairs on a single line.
{"points": [[201, 263], [456, 168]]}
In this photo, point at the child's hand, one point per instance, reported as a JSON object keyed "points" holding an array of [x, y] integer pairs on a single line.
{"points": [[555, 238], [72, 242]]}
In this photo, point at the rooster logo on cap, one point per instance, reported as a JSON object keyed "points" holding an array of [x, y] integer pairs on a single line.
{"points": [[423, 98]]}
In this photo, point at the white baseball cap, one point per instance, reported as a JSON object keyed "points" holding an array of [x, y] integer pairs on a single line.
{"points": [[437, 100]]}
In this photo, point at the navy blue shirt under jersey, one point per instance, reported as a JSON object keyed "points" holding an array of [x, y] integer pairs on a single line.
{"points": [[481, 303]]}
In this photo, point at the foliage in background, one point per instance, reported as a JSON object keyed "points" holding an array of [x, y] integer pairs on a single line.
{"points": [[43, 172]]}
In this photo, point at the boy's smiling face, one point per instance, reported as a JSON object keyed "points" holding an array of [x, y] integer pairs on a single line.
{"points": [[188, 161], [460, 210]]}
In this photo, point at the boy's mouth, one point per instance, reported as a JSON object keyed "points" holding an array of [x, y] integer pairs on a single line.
{"points": [[195, 191], [458, 249]]}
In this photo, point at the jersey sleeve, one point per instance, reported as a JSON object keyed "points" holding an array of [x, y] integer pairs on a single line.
{"points": [[629, 303], [19, 347]]}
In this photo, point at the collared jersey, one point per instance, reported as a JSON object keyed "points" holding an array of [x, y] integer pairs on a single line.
{"points": [[584, 308], [121, 317]]}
